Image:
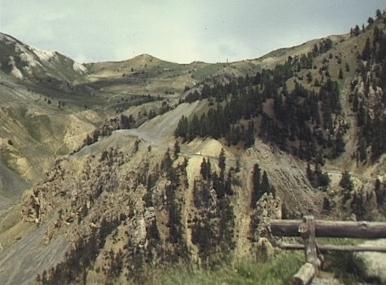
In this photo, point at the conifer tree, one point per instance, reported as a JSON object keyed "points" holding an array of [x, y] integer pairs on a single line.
{"points": [[182, 128], [208, 170], [203, 168], [256, 191], [345, 181], [166, 164], [380, 192], [378, 13], [356, 30], [264, 187], [221, 163], [177, 149], [194, 128], [340, 75]]}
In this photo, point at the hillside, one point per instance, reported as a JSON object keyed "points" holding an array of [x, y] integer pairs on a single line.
{"points": [[111, 171], [50, 103]]}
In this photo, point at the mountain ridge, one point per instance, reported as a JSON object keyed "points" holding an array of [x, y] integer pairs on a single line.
{"points": [[166, 163]]}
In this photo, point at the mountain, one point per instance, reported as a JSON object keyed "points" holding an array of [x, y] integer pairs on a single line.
{"points": [[114, 170], [50, 103], [25, 62]]}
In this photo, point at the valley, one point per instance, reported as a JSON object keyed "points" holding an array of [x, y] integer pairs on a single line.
{"points": [[111, 171]]}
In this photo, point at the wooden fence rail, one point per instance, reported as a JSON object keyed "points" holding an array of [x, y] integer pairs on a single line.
{"points": [[337, 229], [309, 229], [324, 248]]}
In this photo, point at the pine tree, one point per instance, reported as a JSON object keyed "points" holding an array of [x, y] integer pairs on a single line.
{"points": [[378, 13], [358, 206], [203, 169], [362, 150], [326, 204], [208, 170], [216, 183], [309, 77], [219, 181], [228, 183], [250, 134], [221, 163], [177, 149], [355, 103], [264, 187], [194, 128], [339, 145], [166, 163], [182, 128], [345, 181], [347, 66], [356, 30], [273, 191], [340, 75], [256, 191], [136, 145], [380, 193]]}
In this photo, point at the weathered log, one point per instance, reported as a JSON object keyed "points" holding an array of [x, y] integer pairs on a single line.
{"points": [[307, 232], [324, 248], [305, 275], [338, 229]]}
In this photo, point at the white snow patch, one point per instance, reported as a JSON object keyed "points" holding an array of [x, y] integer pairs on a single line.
{"points": [[26, 55], [44, 55], [15, 71], [29, 59], [79, 67]]}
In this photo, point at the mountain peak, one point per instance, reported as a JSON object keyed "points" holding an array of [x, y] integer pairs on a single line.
{"points": [[145, 58]]}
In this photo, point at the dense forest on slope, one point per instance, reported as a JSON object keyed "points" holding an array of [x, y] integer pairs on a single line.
{"points": [[301, 121], [368, 94]]}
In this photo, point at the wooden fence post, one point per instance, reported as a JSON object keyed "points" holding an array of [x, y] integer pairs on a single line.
{"points": [[308, 271], [307, 232], [309, 228]]}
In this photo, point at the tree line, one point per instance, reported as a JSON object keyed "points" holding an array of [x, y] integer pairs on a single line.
{"points": [[303, 122]]}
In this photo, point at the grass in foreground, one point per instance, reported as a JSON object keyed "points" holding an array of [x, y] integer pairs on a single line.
{"points": [[276, 271]]}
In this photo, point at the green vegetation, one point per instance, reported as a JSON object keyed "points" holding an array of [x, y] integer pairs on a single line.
{"points": [[206, 71], [303, 122], [260, 185], [276, 271], [317, 177], [347, 267], [372, 128]]}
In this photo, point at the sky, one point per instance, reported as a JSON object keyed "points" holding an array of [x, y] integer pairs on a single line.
{"points": [[177, 30]]}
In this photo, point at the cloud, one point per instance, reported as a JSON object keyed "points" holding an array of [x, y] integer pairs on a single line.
{"points": [[174, 30]]}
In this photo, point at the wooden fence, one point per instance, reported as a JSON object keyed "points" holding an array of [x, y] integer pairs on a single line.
{"points": [[309, 229]]}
